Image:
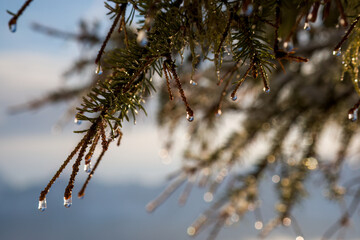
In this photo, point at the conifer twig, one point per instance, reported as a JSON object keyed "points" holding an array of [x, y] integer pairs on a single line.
{"points": [[15, 17], [83, 188], [62, 167], [181, 91], [102, 48], [89, 136], [346, 36]]}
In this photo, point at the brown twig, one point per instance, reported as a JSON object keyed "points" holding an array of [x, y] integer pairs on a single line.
{"points": [[82, 191], [343, 21], [89, 136], [233, 94], [346, 36], [15, 17], [116, 20], [62, 167], [181, 91], [92, 148], [165, 69]]}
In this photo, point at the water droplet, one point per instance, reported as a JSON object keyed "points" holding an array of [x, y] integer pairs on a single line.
{"points": [[190, 116], [208, 197], [42, 205], [299, 238], [87, 167], [191, 231], [266, 89], [98, 70], [258, 225], [353, 115], [234, 97], [307, 26], [77, 121], [337, 52], [218, 112], [286, 221], [12, 27], [275, 178], [218, 74], [68, 202], [249, 10], [288, 46], [192, 82]]}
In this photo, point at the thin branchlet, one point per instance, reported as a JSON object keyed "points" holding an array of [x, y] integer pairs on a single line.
{"points": [[83, 188], [15, 17], [347, 34], [178, 83], [108, 36], [92, 148], [165, 69], [89, 136], [62, 167]]}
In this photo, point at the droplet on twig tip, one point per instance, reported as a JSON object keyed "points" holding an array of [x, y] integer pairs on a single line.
{"points": [[68, 201], [12, 27], [337, 52], [87, 167], [190, 116], [42, 205], [98, 70]]}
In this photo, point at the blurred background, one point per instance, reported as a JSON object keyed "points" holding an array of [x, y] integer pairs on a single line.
{"points": [[31, 149]]}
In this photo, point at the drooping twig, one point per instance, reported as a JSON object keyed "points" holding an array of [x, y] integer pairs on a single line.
{"points": [[233, 94], [343, 21], [62, 167], [343, 220], [92, 149], [150, 207], [13, 20], [116, 20], [89, 136], [165, 69], [178, 83], [346, 36], [82, 191]]}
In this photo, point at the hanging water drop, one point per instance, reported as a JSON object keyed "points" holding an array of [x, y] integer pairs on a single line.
{"points": [[353, 115], [192, 82], [87, 167], [249, 10], [98, 70], [266, 89], [234, 97], [288, 46], [190, 116], [337, 52], [68, 202], [307, 26], [12, 27], [218, 74], [77, 121], [42, 205], [218, 112]]}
